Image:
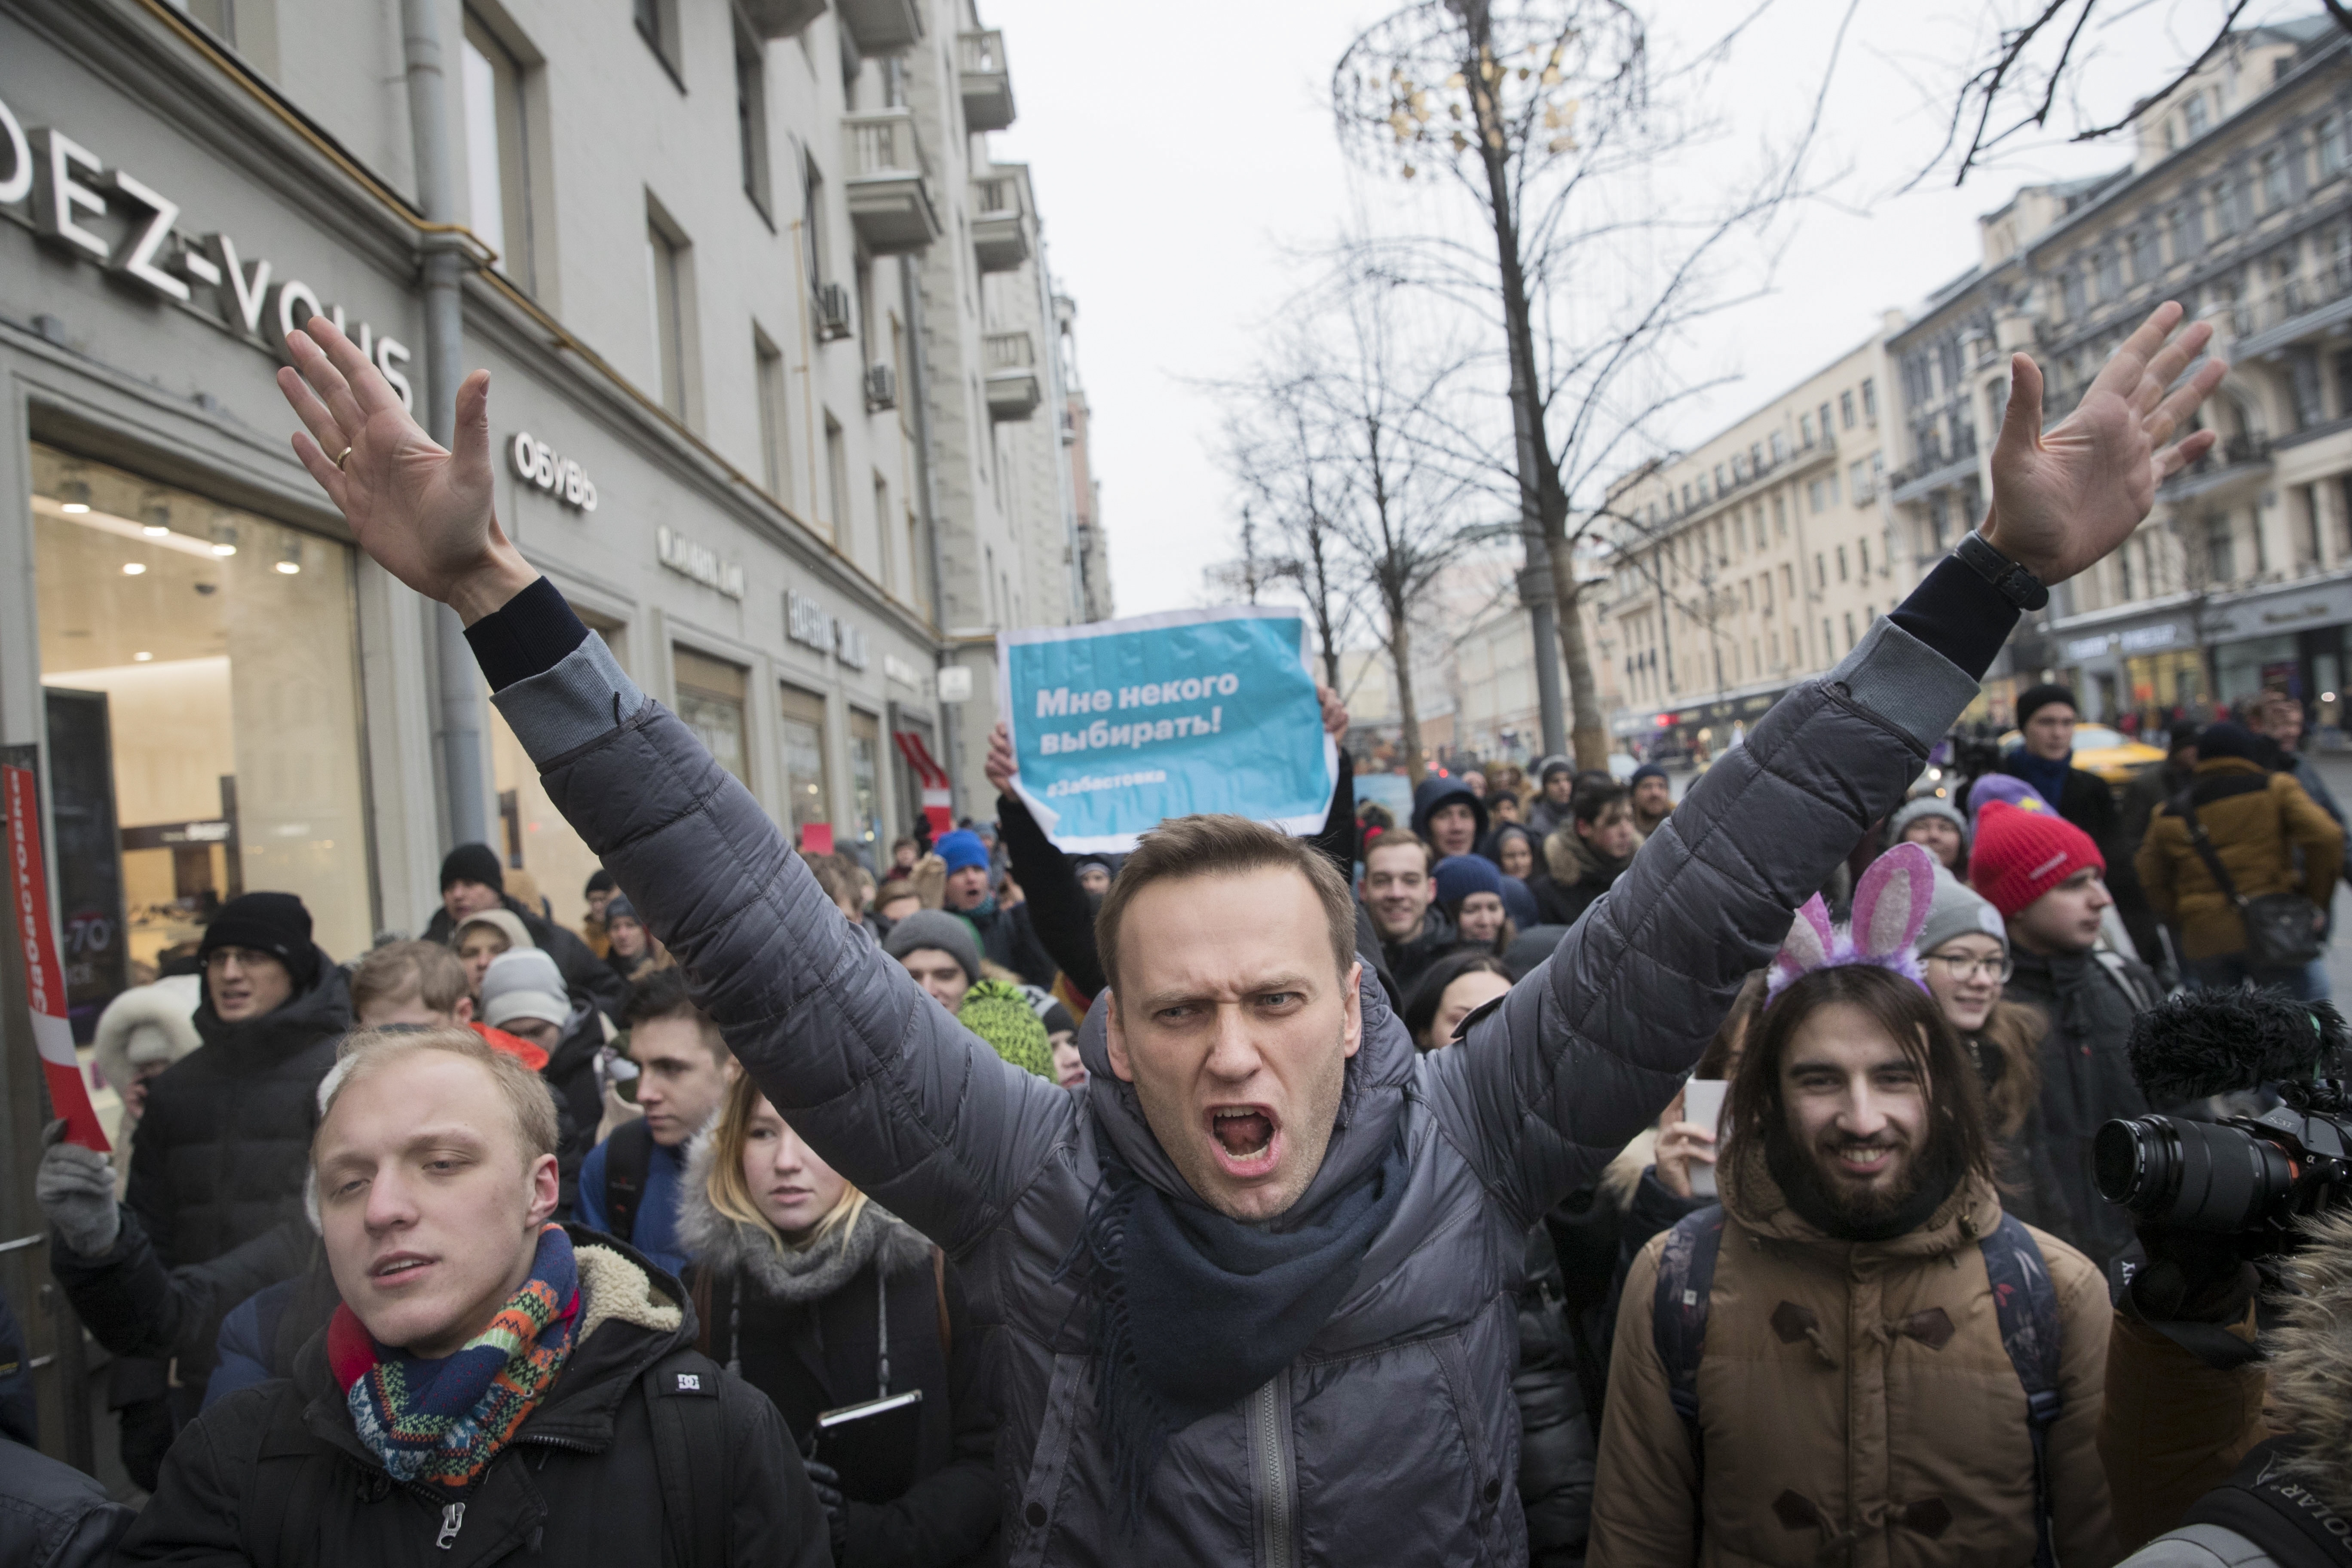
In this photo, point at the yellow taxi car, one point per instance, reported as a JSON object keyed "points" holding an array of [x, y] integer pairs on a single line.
{"points": [[2113, 755]]}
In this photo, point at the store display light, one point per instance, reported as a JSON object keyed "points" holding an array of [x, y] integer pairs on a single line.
{"points": [[155, 517], [142, 657], [290, 563], [73, 497], [135, 568], [224, 539]]}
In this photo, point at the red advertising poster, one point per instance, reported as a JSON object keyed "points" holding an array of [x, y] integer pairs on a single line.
{"points": [[44, 980], [816, 839]]}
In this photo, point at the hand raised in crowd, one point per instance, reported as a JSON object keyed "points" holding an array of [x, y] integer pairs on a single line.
{"points": [[930, 879], [75, 1187], [1000, 764], [1335, 712], [2068, 497], [423, 512], [1681, 1145]]}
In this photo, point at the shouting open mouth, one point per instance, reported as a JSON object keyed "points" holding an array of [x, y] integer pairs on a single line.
{"points": [[1246, 1138]]}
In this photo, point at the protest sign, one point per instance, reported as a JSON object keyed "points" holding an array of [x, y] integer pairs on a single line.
{"points": [[45, 985], [1118, 724]]}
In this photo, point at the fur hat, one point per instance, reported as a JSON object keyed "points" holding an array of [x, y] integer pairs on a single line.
{"points": [[149, 1023]]}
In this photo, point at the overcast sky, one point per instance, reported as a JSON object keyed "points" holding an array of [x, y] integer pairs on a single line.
{"points": [[1183, 159]]}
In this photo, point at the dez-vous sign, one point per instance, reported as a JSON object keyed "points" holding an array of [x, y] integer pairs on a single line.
{"points": [[71, 186]]}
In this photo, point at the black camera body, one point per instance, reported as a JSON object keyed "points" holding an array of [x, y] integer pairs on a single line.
{"points": [[2248, 1177], [2242, 1175]]}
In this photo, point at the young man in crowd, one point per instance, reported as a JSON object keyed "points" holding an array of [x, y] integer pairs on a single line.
{"points": [[1556, 783], [936, 948], [1583, 859], [1240, 1381], [490, 1376], [473, 881], [2044, 758], [1448, 816], [1808, 1372], [599, 893], [2048, 880], [1401, 896], [628, 1184], [1006, 936], [1654, 798]]}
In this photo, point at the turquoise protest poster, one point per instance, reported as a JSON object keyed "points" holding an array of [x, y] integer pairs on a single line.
{"points": [[1118, 724]]}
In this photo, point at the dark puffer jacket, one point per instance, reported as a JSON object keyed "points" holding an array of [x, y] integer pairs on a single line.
{"points": [[1392, 1436], [220, 1155], [2089, 1004], [571, 1075], [578, 1483]]}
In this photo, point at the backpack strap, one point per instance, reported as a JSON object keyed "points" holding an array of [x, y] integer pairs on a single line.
{"points": [[628, 1156], [1679, 1315], [2026, 1302], [280, 1522], [682, 1401]]}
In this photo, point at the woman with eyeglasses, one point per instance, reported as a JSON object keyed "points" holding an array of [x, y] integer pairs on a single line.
{"points": [[1964, 957]]}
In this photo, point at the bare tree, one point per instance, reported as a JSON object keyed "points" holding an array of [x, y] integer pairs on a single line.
{"points": [[2030, 76], [1280, 450], [1548, 114]]}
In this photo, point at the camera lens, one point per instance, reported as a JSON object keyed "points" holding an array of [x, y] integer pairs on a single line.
{"points": [[2196, 1175]]}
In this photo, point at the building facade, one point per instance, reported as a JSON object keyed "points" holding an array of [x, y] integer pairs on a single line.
{"points": [[2236, 204], [768, 333], [1748, 563]]}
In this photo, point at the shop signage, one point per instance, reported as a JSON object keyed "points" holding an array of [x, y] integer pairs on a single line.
{"points": [[898, 669], [700, 562], [810, 623], [535, 463], [2148, 639], [71, 188], [2087, 647]]}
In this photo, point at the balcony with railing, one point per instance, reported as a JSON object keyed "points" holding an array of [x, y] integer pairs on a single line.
{"points": [[986, 83], [881, 26], [2294, 309], [999, 229], [888, 188], [2233, 459], [1014, 389], [1945, 465]]}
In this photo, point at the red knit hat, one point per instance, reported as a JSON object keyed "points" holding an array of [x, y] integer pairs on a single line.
{"points": [[2017, 856]]}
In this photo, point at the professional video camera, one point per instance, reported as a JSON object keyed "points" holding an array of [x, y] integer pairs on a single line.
{"points": [[2251, 1175]]}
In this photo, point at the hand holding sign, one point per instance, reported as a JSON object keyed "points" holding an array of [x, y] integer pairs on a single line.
{"points": [[1113, 728]]}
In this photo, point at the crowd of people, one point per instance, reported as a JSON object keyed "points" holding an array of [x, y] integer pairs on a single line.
{"points": [[1597, 1177]]}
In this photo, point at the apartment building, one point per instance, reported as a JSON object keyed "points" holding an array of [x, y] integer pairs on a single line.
{"points": [[2235, 202], [1754, 559]]}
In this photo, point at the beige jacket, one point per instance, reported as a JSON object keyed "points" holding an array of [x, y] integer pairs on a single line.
{"points": [[1856, 1405]]}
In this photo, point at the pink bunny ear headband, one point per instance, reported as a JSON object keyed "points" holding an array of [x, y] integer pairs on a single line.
{"points": [[1890, 909]]}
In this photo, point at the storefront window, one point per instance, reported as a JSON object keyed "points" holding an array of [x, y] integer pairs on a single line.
{"points": [[200, 665], [710, 701], [539, 839], [805, 777], [866, 780]]}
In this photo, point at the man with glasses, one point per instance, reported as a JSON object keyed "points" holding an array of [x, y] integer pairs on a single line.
{"points": [[2048, 880]]}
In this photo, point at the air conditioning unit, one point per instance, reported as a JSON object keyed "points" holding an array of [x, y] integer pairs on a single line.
{"points": [[881, 388], [832, 312]]}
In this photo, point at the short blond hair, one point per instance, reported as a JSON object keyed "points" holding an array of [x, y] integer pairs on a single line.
{"points": [[427, 970], [365, 1052]]}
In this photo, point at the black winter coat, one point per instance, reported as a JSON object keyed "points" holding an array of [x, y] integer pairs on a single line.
{"points": [[1007, 937], [53, 1516], [571, 1075], [1409, 958], [1557, 1450], [578, 1484], [577, 962], [812, 1357], [136, 1307], [2087, 1080], [220, 1155]]}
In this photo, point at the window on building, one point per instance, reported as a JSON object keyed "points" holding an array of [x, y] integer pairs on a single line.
{"points": [[1719, 486], [1825, 412], [751, 116], [866, 780], [807, 796], [1848, 618], [1840, 561], [710, 702], [1830, 487], [2110, 266], [2193, 114], [1845, 410], [1779, 517], [1829, 641], [1870, 400], [1821, 570], [657, 25], [2329, 135], [882, 532], [1939, 518], [836, 479], [918, 574], [2277, 196], [1805, 429], [2186, 231], [2221, 554], [2225, 207], [1788, 584], [2145, 265], [1858, 481], [670, 285], [2070, 293], [813, 225], [1779, 448], [775, 431], [1862, 548], [498, 160]]}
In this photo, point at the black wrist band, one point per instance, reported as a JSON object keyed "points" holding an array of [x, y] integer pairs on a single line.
{"points": [[2012, 580]]}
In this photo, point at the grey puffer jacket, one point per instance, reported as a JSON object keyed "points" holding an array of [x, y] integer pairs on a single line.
{"points": [[1393, 1437]]}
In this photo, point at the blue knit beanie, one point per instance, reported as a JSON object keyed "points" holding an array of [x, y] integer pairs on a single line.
{"points": [[961, 849], [1459, 876]]}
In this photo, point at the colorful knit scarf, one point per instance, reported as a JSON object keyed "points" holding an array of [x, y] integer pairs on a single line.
{"points": [[444, 1422]]}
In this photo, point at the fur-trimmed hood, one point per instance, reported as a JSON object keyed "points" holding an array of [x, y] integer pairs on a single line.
{"points": [[729, 1247], [154, 1023], [2310, 1362], [1569, 860]]}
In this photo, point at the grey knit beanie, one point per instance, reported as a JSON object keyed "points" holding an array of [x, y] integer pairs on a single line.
{"points": [[935, 928], [1956, 911], [1926, 805]]}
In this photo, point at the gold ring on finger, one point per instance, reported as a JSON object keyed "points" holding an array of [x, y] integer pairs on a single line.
{"points": [[341, 455]]}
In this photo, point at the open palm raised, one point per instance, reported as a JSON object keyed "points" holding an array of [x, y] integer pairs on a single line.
{"points": [[423, 512], [2064, 498]]}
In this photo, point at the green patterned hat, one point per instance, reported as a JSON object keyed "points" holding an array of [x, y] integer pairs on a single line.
{"points": [[999, 1014]]}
